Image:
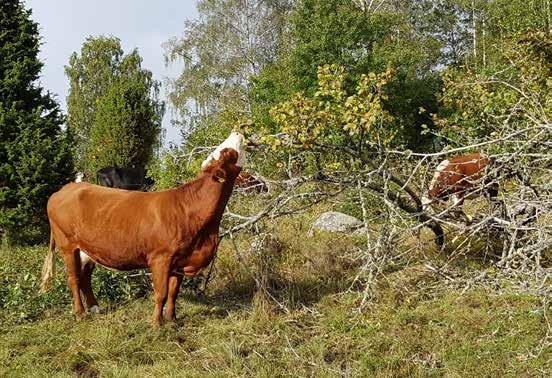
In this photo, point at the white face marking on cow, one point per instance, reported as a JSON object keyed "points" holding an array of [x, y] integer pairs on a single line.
{"points": [[440, 168], [235, 141], [80, 177]]}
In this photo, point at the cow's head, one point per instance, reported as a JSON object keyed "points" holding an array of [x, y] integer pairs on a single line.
{"points": [[235, 141], [225, 168]]}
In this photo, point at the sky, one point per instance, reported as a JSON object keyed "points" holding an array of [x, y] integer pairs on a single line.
{"points": [[142, 24]]}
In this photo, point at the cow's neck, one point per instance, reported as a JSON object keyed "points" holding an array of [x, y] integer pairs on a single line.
{"points": [[205, 199]]}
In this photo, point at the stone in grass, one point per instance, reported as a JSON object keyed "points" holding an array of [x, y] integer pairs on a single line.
{"points": [[333, 221]]}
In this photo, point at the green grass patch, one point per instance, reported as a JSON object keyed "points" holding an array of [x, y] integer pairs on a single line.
{"points": [[476, 334], [410, 329]]}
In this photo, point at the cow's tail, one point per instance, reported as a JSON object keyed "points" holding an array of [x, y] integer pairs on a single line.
{"points": [[49, 267]]}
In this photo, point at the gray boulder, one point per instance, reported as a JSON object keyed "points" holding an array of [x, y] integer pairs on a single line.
{"points": [[333, 221], [360, 231]]}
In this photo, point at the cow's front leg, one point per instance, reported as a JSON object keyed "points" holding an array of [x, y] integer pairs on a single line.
{"points": [[160, 274], [457, 201], [174, 287], [496, 204]]}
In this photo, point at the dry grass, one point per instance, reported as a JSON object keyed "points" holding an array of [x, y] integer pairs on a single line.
{"points": [[417, 325]]}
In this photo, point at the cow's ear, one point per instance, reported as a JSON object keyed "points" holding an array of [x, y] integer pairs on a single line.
{"points": [[219, 175]]}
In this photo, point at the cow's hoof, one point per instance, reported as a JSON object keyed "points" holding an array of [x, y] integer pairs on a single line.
{"points": [[157, 323], [169, 316]]}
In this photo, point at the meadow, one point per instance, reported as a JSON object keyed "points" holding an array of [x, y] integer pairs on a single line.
{"points": [[470, 321], [347, 106]]}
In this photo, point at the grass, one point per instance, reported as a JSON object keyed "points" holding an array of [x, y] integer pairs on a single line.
{"points": [[415, 326]]}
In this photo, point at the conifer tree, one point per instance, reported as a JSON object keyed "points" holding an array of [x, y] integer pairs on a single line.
{"points": [[35, 158]]}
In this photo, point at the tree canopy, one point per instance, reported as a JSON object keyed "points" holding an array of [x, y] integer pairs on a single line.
{"points": [[221, 51], [114, 109]]}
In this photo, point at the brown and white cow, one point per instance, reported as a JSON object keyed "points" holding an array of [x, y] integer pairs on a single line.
{"points": [[173, 232], [461, 177]]}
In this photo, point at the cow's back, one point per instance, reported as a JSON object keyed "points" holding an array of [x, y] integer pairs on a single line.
{"points": [[84, 202], [121, 222], [471, 165], [458, 174], [61, 206]]}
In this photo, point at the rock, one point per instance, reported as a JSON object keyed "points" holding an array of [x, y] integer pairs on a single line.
{"points": [[360, 231], [333, 221]]}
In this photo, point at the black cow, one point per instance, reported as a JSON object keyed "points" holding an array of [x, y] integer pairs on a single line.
{"points": [[124, 178]]}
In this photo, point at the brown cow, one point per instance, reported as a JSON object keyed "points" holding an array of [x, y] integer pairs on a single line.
{"points": [[247, 184], [460, 177], [173, 232]]}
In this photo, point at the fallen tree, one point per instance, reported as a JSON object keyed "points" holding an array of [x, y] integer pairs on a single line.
{"points": [[336, 146]]}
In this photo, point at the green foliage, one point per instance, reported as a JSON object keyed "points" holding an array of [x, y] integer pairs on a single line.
{"points": [[230, 41], [331, 32], [331, 123], [501, 20], [472, 32], [272, 85], [173, 168], [114, 107], [367, 40], [516, 96], [179, 164], [90, 76], [514, 16], [35, 158], [418, 39], [21, 300], [127, 125]]}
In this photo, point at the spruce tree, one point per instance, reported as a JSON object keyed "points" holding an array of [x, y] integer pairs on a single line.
{"points": [[35, 157]]}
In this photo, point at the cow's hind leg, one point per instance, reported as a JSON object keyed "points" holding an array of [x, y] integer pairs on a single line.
{"points": [[174, 287], [87, 268], [160, 275], [72, 263]]}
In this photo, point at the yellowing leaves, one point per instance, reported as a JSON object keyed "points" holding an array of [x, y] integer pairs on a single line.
{"points": [[331, 111]]}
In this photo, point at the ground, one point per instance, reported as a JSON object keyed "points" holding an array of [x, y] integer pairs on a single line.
{"points": [[417, 323]]}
